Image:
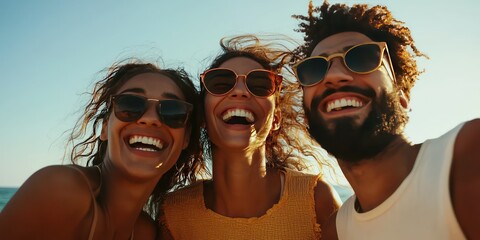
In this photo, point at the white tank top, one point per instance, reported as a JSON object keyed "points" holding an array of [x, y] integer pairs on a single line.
{"points": [[420, 208]]}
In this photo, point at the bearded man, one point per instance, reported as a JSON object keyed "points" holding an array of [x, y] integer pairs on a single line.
{"points": [[357, 68]]}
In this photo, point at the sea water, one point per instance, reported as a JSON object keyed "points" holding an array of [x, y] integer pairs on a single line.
{"points": [[5, 195]]}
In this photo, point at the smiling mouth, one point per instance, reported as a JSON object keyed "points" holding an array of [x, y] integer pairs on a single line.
{"points": [[144, 143], [343, 103], [238, 116]]}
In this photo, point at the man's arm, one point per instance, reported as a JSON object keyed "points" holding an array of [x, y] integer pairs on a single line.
{"points": [[327, 202], [329, 230], [465, 179]]}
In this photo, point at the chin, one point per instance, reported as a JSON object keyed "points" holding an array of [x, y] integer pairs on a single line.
{"points": [[350, 140]]}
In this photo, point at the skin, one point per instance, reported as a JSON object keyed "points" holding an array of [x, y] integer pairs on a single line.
{"points": [[242, 185], [375, 179], [63, 209]]}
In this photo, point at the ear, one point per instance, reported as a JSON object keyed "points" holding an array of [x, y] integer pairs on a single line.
{"points": [[277, 119], [403, 100], [104, 131]]}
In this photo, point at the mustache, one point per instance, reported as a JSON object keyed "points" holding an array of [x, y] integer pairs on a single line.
{"points": [[367, 92]]}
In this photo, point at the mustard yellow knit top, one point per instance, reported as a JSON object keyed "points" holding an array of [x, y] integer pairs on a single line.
{"points": [[293, 217]]}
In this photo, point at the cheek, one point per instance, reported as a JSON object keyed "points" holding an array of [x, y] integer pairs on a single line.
{"points": [[182, 137], [110, 129], [268, 107], [113, 132], [209, 107], [307, 96], [381, 79], [114, 127]]}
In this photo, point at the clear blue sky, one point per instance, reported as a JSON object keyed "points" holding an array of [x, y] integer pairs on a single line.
{"points": [[52, 51]]}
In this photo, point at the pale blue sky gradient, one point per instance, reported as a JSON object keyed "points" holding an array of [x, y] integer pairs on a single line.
{"points": [[52, 51]]}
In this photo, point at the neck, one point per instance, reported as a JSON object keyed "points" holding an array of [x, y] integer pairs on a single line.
{"points": [[374, 180], [242, 186], [123, 199]]}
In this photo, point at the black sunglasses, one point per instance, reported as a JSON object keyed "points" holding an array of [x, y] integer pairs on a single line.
{"points": [[260, 82], [173, 113], [362, 58]]}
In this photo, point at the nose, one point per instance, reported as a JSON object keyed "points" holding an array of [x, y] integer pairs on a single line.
{"points": [[337, 75], [240, 89], [150, 117]]}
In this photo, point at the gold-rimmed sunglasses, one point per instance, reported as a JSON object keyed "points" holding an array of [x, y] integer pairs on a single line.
{"points": [[259, 82], [362, 59], [172, 112]]}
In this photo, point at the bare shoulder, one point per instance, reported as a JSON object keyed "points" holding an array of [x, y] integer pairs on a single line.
{"points": [[465, 180], [468, 137], [329, 230], [466, 156], [54, 194], [50, 186], [327, 201], [145, 228]]}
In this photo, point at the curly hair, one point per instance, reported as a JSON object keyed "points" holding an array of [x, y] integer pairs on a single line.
{"points": [[88, 145], [287, 147], [376, 22]]}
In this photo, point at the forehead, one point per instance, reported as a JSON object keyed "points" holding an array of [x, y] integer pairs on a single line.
{"points": [[241, 65], [152, 85], [338, 42]]}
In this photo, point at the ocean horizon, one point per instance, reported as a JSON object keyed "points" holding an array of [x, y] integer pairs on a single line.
{"points": [[7, 192]]}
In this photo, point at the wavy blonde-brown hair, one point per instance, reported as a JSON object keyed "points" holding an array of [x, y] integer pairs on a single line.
{"points": [[290, 146]]}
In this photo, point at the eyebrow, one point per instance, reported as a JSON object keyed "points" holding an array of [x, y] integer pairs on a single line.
{"points": [[141, 90], [343, 50], [171, 95], [135, 90]]}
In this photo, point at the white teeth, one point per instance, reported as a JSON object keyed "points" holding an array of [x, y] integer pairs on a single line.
{"points": [[146, 149], [147, 141], [238, 113], [344, 102]]}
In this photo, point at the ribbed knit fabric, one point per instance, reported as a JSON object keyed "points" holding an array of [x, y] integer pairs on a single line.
{"points": [[293, 217]]}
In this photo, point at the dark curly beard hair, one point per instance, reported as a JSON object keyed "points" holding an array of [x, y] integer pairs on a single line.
{"points": [[350, 142]]}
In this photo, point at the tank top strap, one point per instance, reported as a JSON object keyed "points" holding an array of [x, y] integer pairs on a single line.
{"points": [[93, 193], [299, 184]]}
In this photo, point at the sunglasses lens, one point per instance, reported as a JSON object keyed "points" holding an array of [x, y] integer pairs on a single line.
{"points": [[261, 83], [129, 108], [312, 71], [173, 113], [219, 81], [364, 58]]}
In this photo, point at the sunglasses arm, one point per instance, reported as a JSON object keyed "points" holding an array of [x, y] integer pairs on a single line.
{"points": [[389, 67]]}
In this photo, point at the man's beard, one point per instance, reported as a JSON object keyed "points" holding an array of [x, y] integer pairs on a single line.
{"points": [[351, 142]]}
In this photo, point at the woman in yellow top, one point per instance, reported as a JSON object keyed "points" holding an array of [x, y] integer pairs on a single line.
{"points": [[146, 118], [254, 146]]}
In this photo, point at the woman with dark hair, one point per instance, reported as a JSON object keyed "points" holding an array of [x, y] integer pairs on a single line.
{"points": [[256, 190], [139, 132]]}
